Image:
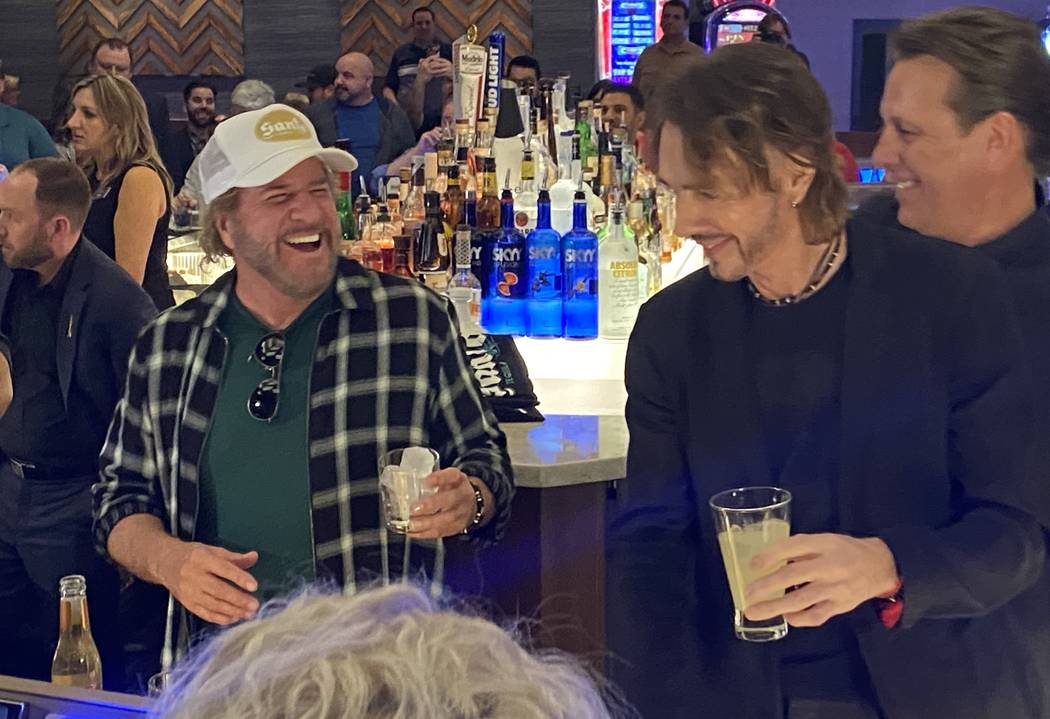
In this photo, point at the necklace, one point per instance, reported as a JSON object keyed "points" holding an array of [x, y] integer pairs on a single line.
{"points": [[815, 281]]}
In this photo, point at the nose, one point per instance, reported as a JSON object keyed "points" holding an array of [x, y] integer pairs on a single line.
{"points": [[887, 149]]}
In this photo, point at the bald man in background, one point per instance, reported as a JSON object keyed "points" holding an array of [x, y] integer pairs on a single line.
{"points": [[377, 129]]}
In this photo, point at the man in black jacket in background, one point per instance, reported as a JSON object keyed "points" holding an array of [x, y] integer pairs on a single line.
{"points": [[966, 137], [71, 315], [880, 378]]}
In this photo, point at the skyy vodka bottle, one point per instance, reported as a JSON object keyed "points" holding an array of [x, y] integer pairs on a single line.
{"points": [[508, 289], [580, 247], [545, 274]]}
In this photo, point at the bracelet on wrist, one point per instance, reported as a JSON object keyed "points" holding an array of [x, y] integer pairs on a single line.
{"points": [[479, 509]]}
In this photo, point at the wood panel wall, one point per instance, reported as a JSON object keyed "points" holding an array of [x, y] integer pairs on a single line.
{"points": [[378, 27], [167, 37]]}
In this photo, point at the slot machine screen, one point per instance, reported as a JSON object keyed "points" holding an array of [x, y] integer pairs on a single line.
{"points": [[739, 26]]}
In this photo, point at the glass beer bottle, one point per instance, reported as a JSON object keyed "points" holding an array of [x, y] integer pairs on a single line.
{"points": [[76, 662]]}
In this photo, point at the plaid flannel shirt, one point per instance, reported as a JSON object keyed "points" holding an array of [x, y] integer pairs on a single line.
{"points": [[389, 371]]}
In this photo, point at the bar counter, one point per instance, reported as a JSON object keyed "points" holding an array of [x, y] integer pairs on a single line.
{"points": [[550, 567]]}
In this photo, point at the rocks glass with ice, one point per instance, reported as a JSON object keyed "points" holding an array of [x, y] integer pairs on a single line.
{"points": [[401, 480], [747, 521]]}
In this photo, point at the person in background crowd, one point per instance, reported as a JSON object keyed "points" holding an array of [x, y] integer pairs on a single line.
{"points": [[377, 128], [661, 59], [428, 142], [384, 652], [525, 71], [22, 137], [772, 30], [966, 140], [71, 316], [296, 99], [183, 145], [425, 61], [11, 90], [894, 405], [598, 90], [248, 95], [698, 12], [319, 83], [316, 427], [130, 186], [110, 55], [624, 104]]}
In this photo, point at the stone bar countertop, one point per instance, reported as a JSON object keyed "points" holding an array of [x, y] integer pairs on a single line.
{"points": [[567, 449]]}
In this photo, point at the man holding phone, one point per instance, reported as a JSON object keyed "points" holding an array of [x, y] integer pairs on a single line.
{"points": [[425, 61]]}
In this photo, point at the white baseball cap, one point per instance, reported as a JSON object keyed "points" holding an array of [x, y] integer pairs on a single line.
{"points": [[256, 147]]}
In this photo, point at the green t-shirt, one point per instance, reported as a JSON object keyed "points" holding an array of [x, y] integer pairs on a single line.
{"points": [[254, 481]]}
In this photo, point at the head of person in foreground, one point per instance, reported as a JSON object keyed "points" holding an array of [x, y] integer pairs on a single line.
{"points": [[389, 652]]}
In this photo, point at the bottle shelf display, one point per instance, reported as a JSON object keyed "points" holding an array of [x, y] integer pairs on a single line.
{"points": [[582, 238]]}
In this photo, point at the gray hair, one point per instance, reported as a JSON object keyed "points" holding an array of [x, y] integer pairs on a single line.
{"points": [[391, 653], [252, 95]]}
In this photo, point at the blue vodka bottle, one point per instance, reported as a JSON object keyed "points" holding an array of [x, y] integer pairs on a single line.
{"points": [[580, 247], [545, 274], [508, 286]]}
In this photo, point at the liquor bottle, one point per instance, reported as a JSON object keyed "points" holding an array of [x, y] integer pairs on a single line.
{"points": [[414, 211], [464, 289], [446, 157], [618, 299], [366, 250], [484, 240], [525, 202], [405, 175], [580, 247], [403, 256], [551, 129], [344, 207], [470, 210], [363, 210], [452, 201], [649, 265], [583, 129], [607, 181], [508, 289], [383, 233], [431, 264], [545, 274], [76, 662]]}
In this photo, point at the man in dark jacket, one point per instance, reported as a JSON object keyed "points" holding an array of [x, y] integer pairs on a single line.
{"points": [[879, 378], [72, 316], [377, 129], [184, 144]]}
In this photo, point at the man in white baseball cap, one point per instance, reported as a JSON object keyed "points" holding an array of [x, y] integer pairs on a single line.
{"points": [[242, 459]]}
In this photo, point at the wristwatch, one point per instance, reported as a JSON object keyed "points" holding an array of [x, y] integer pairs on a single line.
{"points": [[479, 509]]}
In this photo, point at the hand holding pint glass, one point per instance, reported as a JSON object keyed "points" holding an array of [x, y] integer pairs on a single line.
{"points": [[747, 521]]}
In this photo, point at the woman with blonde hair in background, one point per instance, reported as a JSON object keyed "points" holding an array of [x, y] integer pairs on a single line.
{"points": [[131, 189]]}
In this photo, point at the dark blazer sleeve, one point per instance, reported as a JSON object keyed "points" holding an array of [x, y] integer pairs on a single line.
{"points": [[994, 549], [322, 116], [654, 536], [137, 311]]}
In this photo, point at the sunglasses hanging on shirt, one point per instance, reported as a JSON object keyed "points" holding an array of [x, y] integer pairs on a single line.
{"points": [[266, 397]]}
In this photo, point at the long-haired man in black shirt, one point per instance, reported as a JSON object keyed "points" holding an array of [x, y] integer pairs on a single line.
{"points": [[877, 376]]}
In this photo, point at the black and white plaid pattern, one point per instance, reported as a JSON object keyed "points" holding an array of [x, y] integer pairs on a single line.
{"points": [[389, 371]]}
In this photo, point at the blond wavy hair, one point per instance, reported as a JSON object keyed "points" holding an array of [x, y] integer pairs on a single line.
{"points": [[384, 653], [131, 141]]}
